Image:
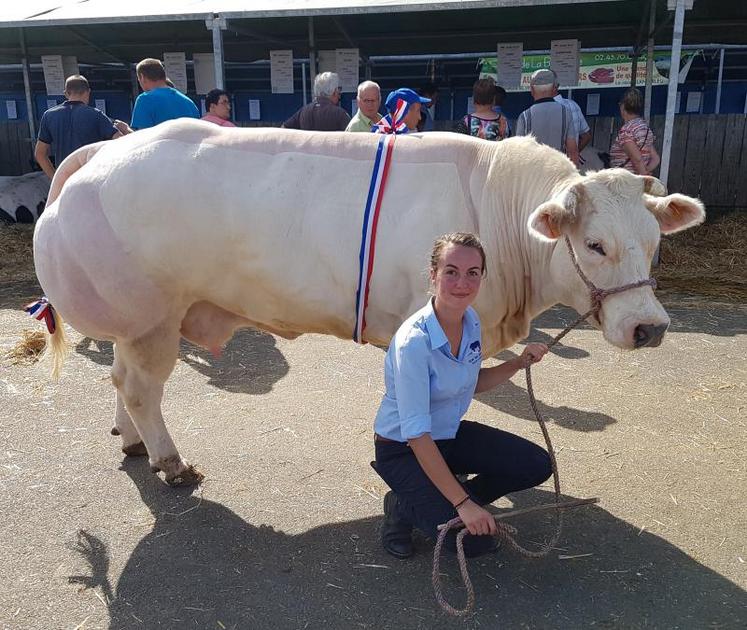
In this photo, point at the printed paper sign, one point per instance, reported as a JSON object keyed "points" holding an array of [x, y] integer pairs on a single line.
{"points": [[175, 64], [346, 62], [509, 65], [592, 105], [564, 58], [281, 71], [10, 107], [70, 65], [101, 104], [693, 102], [254, 111], [204, 67], [54, 74]]}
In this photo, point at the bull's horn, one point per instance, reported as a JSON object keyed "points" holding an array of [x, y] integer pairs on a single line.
{"points": [[653, 186]]}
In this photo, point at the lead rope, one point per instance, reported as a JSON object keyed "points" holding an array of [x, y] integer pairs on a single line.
{"points": [[505, 531]]}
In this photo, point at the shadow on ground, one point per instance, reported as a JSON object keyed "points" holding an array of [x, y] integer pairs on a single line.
{"points": [[203, 566], [513, 400], [249, 364], [723, 320]]}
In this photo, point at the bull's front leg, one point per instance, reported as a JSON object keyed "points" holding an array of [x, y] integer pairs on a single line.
{"points": [[140, 370]]}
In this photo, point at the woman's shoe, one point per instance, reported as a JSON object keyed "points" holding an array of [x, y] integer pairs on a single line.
{"points": [[396, 534]]}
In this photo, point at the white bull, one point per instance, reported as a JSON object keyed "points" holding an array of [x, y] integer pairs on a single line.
{"points": [[191, 230]]}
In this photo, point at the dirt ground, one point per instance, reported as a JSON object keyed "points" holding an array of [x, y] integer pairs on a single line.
{"points": [[284, 532]]}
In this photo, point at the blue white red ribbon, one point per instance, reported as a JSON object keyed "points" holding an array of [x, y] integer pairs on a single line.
{"points": [[394, 123], [376, 188], [43, 310]]}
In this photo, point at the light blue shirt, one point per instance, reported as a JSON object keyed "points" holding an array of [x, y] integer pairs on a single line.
{"points": [[428, 389], [159, 105]]}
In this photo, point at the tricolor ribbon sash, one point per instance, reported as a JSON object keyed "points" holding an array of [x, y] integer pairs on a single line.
{"points": [[382, 163], [394, 123], [42, 310]]}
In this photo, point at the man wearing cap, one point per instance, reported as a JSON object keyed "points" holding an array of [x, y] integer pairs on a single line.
{"points": [[324, 112], [403, 112], [550, 122]]}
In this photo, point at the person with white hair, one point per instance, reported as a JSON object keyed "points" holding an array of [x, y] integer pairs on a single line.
{"points": [[550, 122], [369, 100], [324, 112]]}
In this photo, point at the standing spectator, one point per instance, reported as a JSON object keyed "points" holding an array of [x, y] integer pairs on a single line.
{"points": [[324, 112], [71, 125], [484, 122], [158, 102], [582, 127], [403, 112], [369, 100], [548, 121], [428, 114], [218, 106], [633, 148]]}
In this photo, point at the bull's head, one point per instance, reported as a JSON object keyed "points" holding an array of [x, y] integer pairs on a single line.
{"points": [[613, 220]]}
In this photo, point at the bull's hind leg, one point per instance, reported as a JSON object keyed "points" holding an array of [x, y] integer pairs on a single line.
{"points": [[141, 367], [132, 444]]}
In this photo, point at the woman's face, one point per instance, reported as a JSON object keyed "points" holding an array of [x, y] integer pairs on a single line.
{"points": [[457, 279]]}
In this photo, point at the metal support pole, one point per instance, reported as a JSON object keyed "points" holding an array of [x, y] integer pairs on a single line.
{"points": [[650, 60], [134, 83], [27, 88], [303, 82], [674, 67], [217, 25], [312, 57], [720, 80]]}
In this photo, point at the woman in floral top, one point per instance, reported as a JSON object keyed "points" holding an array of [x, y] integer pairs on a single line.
{"points": [[633, 148], [484, 122]]}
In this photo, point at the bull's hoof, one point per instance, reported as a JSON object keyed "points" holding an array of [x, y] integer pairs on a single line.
{"points": [[135, 450], [115, 431], [190, 476]]}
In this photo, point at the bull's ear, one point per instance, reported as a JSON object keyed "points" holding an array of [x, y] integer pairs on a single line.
{"points": [[551, 220], [675, 212]]}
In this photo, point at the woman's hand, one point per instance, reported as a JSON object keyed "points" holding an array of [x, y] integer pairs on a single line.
{"points": [[476, 519], [533, 353]]}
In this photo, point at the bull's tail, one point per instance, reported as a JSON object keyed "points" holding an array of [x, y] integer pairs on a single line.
{"points": [[57, 347], [70, 165], [56, 341]]}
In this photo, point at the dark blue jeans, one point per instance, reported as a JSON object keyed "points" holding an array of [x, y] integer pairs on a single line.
{"points": [[501, 461]]}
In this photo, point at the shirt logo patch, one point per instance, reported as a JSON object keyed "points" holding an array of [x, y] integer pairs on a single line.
{"points": [[475, 348]]}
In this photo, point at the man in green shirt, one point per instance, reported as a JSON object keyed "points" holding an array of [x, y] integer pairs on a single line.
{"points": [[369, 99]]}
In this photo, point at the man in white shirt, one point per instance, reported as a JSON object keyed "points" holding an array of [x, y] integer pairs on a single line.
{"points": [[584, 131]]}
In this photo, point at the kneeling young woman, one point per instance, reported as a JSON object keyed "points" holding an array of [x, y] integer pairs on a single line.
{"points": [[432, 371]]}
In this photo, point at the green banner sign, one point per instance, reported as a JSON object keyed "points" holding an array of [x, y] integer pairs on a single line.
{"points": [[597, 69]]}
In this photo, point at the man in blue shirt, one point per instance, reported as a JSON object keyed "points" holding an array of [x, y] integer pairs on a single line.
{"points": [[158, 102], [71, 125]]}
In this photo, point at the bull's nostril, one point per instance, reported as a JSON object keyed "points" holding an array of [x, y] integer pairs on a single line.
{"points": [[648, 335], [640, 336]]}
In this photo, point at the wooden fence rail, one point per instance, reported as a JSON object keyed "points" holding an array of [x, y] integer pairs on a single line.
{"points": [[16, 154], [709, 153]]}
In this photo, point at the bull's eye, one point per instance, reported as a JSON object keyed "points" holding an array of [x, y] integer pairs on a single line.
{"points": [[596, 247]]}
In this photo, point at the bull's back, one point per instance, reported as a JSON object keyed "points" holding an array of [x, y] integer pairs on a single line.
{"points": [[268, 223]]}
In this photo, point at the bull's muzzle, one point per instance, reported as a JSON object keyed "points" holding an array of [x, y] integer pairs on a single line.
{"points": [[649, 335]]}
